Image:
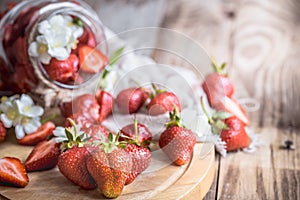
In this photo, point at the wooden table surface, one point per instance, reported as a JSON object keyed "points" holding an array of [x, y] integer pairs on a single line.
{"points": [[260, 41]]}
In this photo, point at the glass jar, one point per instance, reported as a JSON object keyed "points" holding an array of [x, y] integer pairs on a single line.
{"points": [[41, 48]]}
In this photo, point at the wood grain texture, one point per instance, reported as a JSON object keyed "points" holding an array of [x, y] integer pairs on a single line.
{"points": [[260, 41], [161, 180]]}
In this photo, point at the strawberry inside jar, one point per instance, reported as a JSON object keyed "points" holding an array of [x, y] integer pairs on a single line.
{"points": [[50, 42]]}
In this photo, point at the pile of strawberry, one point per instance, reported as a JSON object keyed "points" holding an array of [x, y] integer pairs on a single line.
{"points": [[89, 155], [84, 61], [228, 118]]}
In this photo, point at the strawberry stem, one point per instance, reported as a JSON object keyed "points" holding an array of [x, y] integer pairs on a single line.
{"points": [[156, 91], [174, 118], [219, 69], [210, 119], [136, 131]]}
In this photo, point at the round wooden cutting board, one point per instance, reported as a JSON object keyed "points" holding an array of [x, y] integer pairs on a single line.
{"points": [[161, 180]]}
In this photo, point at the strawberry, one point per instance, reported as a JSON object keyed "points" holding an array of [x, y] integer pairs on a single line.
{"points": [[231, 128], [39, 135], [138, 132], [63, 71], [91, 59], [94, 132], [177, 141], [78, 118], [162, 102], [72, 162], [131, 100], [43, 156], [235, 136], [141, 158], [20, 55], [217, 85], [109, 165], [232, 106], [139, 137], [12, 172], [23, 79], [66, 108], [2, 132], [87, 38], [87, 105], [105, 100]]}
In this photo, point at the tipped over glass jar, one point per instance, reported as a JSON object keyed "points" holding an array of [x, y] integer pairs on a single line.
{"points": [[51, 48]]}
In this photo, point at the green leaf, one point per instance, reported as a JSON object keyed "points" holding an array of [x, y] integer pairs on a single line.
{"points": [[69, 134], [110, 137], [222, 115], [116, 55], [221, 125], [78, 22]]}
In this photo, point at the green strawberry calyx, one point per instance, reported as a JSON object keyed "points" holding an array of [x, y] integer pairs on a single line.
{"points": [[219, 69], [112, 143], [175, 119], [216, 119], [135, 140], [70, 136], [156, 91]]}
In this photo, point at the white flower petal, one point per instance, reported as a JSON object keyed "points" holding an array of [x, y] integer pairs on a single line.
{"points": [[45, 58], [57, 20], [42, 39], [77, 32], [59, 132], [59, 53], [60, 139], [30, 128], [67, 18], [19, 132], [26, 100], [34, 111], [44, 26], [33, 49], [6, 122]]}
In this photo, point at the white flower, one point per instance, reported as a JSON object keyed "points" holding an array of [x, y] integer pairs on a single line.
{"points": [[57, 37], [20, 113]]}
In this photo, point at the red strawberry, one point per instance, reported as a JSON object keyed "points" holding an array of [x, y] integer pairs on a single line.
{"points": [[2, 132], [43, 156], [72, 164], [94, 130], [78, 118], [39, 135], [162, 103], [87, 105], [91, 59], [232, 106], [23, 79], [63, 71], [217, 85], [12, 172], [87, 38], [177, 141], [105, 100], [131, 100], [66, 108], [235, 136], [20, 55], [138, 132], [110, 165], [140, 157]]}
